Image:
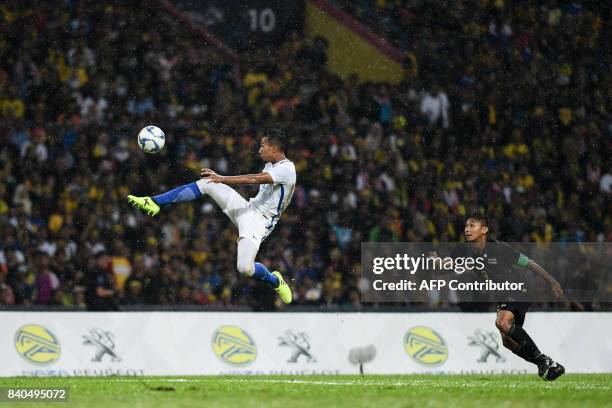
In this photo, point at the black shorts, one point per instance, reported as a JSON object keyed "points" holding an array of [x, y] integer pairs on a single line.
{"points": [[518, 309]]}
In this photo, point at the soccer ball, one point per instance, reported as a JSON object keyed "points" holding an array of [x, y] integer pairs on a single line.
{"points": [[151, 139]]}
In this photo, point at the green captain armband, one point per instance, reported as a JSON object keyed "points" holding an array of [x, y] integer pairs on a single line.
{"points": [[523, 261]]}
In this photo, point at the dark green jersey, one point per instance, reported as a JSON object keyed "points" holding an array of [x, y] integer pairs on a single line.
{"points": [[501, 263]]}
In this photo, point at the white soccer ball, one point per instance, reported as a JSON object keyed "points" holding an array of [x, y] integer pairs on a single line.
{"points": [[151, 139]]}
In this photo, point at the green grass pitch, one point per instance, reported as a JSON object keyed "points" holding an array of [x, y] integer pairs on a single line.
{"points": [[571, 390]]}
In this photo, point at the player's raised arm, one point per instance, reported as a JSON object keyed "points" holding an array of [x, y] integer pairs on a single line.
{"points": [[259, 178]]}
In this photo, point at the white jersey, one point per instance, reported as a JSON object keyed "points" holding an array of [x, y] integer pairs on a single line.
{"points": [[272, 199]]}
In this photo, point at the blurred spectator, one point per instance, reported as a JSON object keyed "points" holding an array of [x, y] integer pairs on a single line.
{"points": [[435, 106], [605, 183], [101, 291], [46, 281], [7, 297]]}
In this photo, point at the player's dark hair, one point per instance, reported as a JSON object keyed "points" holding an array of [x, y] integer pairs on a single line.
{"points": [[479, 217], [276, 137]]}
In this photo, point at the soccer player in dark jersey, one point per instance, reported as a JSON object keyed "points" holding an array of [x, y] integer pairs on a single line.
{"points": [[511, 315]]}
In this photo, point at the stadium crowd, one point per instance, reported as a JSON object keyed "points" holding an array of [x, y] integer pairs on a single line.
{"points": [[505, 107]]}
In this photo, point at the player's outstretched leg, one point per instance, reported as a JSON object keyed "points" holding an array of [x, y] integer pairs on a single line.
{"points": [[516, 339], [152, 205], [247, 250]]}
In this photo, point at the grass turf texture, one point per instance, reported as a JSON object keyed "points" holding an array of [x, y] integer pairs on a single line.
{"points": [[571, 390]]}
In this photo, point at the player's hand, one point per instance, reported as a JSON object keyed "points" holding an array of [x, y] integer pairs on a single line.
{"points": [[211, 175], [557, 289]]}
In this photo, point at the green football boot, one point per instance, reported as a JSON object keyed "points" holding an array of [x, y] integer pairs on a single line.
{"points": [[146, 204], [284, 291]]}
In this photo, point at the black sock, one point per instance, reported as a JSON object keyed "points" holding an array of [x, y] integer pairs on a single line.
{"points": [[523, 353], [527, 349]]}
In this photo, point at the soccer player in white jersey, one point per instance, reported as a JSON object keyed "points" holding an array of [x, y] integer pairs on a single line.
{"points": [[255, 218]]}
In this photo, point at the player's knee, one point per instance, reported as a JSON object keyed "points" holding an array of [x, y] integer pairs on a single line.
{"points": [[504, 325], [203, 185], [246, 267]]}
